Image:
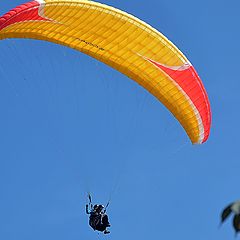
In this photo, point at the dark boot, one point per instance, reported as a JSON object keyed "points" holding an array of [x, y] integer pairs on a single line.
{"points": [[106, 231]]}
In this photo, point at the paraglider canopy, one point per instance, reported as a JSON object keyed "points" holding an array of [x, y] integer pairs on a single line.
{"points": [[123, 42]]}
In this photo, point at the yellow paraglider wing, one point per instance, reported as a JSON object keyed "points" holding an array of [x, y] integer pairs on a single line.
{"points": [[123, 42]]}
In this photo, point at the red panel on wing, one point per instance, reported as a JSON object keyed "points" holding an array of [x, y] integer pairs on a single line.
{"points": [[187, 78], [24, 12]]}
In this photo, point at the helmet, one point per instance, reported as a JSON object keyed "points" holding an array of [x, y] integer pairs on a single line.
{"points": [[101, 207], [95, 206]]}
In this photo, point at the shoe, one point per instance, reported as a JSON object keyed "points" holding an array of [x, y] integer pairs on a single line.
{"points": [[106, 232], [108, 225]]}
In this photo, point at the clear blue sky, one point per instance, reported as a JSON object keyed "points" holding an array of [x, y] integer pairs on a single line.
{"points": [[69, 125]]}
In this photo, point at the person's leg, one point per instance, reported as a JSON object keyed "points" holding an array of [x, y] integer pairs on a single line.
{"points": [[105, 221], [100, 227]]}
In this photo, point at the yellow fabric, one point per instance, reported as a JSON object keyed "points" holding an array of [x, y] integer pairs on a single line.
{"points": [[117, 39]]}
